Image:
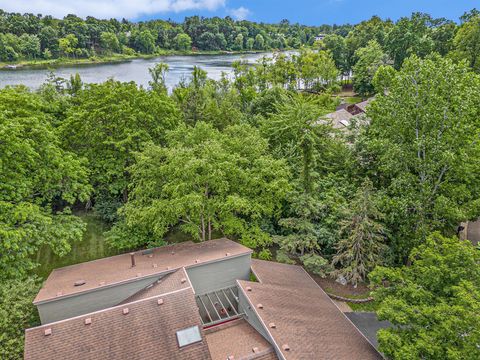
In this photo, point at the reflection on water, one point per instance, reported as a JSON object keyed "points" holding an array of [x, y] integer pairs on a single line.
{"points": [[91, 247], [135, 70]]}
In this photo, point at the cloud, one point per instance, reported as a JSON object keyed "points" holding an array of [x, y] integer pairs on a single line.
{"points": [[240, 13], [129, 9]]}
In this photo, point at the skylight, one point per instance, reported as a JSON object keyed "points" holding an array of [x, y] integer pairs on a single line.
{"points": [[188, 336]]}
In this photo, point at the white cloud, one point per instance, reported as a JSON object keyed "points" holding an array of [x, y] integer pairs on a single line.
{"points": [[129, 9], [240, 13]]}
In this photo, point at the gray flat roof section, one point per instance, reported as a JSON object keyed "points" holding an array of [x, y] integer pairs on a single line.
{"points": [[368, 324], [117, 269]]}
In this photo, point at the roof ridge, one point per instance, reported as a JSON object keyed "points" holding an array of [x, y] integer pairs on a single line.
{"points": [[109, 309]]}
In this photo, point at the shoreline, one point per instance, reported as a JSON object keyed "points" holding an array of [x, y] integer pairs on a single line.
{"points": [[118, 58]]}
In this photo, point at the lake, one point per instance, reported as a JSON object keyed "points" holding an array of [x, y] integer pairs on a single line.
{"points": [[133, 70]]}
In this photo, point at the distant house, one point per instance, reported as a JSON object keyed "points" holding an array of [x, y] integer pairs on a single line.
{"points": [[320, 37], [342, 118], [190, 301]]}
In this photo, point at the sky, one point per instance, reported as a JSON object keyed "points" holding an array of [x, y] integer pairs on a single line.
{"points": [[308, 12]]}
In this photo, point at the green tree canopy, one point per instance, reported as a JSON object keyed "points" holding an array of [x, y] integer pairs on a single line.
{"points": [[362, 236], [37, 179], [370, 59], [467, 42], [183, 42], [423, 150], [111, 121], [434, 303], [205, 181], [16, 314]]}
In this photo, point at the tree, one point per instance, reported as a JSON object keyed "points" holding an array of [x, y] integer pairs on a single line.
{"points": [[433, 303], [68, 44], [183, 42], [296, 134], [362, 235], [410, 36], [49, 39], [38, 180], [249, 44], [422, 149], [144, 42], [205, 181], [370, 58], [110, 122], [259, 42], [109, 42], [158, 74], [337, 47], [16, 314], [29, 45], [467, 42], [238, 43]]}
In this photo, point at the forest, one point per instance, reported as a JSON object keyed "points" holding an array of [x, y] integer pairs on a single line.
{"points": [[30, 37], [253, 157]]}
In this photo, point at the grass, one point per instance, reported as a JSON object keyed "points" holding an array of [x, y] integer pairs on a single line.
{"points": [[370, 306], [353, 99]]}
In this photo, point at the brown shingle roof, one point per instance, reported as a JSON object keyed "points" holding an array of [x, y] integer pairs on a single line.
{"points": [[238, 339], [305, 318], [117, 269], [146, 331], [340, 119], [363, 105]]}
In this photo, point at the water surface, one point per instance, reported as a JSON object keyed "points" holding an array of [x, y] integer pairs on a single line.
{"points": [[134, 70]]}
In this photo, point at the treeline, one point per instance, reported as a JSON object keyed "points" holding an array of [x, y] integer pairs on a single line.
{"points": [[376, 42], [30, 36], [253, 157]]}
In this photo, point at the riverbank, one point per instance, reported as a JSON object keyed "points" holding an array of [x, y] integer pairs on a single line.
{"points": [[112, 59]]}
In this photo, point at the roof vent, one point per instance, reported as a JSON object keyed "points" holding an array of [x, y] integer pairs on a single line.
{"points": [[173, 252], [160, 301], [227, 254], [272, 325], [132, 258], [125, 311], [79, 283], [183, 280], [260, 306], [48, 332], [139, 274], [231, 357], [59, 293], [88, 321], [101, 283], [154, 266], [255, 349], [168, 267], [197, 261], [249, 288], [286, 347]]}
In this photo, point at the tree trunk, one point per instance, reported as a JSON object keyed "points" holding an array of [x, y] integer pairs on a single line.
{"points": [[203, 228], [209, 229]]}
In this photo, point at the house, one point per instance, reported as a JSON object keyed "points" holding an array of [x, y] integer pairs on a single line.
{"points": [[190, 301], [320, 37], [345, 114]]}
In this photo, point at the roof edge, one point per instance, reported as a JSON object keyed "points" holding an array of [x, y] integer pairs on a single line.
{"points": [[345, 316], [166, 272], [252, 306], [108, 309]]}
